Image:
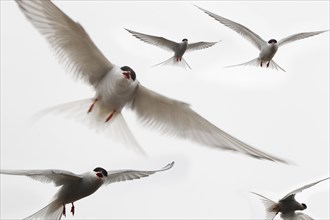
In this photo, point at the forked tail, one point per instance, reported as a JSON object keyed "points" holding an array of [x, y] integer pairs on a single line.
{"points": [[174, 62], [257, 62], [273, 65], [98, 119], [52, 211], [271, 207]]}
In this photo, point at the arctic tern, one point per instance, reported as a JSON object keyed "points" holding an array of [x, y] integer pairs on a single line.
{"points": [[76, 186], [267, 49], [178, 48], [117, 87], [287, 205]]}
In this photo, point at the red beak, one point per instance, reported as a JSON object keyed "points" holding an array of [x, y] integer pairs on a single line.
{"points": [[127, 74], [99, 175]]}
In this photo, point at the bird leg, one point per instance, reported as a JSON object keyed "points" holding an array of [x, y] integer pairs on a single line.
{"points": [[63, 212], [91, 108], [260, 63], [110, 116], [72, 208], [268, 63]]}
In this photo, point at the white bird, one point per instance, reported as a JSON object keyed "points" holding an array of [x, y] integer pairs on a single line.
{"points": [[287, 205], [267, 49], [178, 48], [117, 87], [76, 186]]}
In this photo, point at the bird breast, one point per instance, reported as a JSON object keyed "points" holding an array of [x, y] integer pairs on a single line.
{"points": [[268, 51], [78, 190], [182, 47], [288, 206], [114, 90]]}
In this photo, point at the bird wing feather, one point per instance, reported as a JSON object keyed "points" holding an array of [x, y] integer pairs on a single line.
{"points": [[71, 43]]}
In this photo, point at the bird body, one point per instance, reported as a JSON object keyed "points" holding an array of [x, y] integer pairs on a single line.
{"points": [[75, 187], [267, 49], [267, 52], [76, 190], [288, 205], [114, 91], [179, 49]]}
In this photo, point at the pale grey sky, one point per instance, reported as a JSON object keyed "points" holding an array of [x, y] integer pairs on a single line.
{"points": [[282, 113]]}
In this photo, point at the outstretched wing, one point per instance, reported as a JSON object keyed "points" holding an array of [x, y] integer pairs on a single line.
{"points": [[294, 192], [199, 46], [255, 39], [174, 117], [123, 175], [154, 40], [58, 177], [271, 207], [299, 36], [71, 43]]}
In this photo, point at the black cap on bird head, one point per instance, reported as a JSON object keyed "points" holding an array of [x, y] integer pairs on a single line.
{"points": [[272, 41], [101, 170], [129, 69], [185, 39]]}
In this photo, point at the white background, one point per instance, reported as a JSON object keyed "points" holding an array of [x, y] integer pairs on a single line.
{"points": [[282, 113]]}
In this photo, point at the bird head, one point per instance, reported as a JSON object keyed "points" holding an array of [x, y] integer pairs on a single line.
{"points": [[272, 41], [128, 73], [100, 172]]}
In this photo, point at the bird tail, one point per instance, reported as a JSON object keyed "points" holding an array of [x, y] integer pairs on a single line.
{"points": [[273, 65], [272, 207], [173, 62], [256, 62], [98, 119], [52, 211]]}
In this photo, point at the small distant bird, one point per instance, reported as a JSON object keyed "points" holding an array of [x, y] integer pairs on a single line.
{"points": [[267, 49], [287, 205], [178, 48], [75, 187], [117, 87]]}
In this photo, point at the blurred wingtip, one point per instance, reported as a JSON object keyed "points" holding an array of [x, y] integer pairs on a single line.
{"points": [[169, 166]]}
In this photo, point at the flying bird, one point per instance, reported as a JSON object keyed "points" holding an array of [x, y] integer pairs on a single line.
{"points": [[178, 48], [117, 87], [288, 205], [267, 49], [76, 186]]}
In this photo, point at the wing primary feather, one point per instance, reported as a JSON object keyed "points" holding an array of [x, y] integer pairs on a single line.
{"points": [[70, 42], [177, 118], [123, 175], [245, 32]]}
